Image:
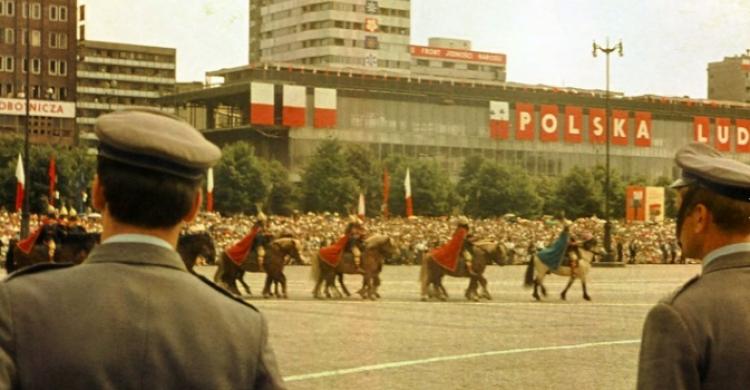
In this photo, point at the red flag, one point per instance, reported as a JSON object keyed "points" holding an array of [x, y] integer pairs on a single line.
{"points": [[386, 191], [20, 180], [52, 179], [210, 190], [407, 190]]}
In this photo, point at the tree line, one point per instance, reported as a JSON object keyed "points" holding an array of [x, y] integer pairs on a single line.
{"points": [[338, 173]]}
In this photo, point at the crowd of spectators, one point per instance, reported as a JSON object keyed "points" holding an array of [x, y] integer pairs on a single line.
{"points": [[632, 243]]}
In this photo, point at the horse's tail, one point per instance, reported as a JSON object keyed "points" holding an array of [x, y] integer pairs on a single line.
{"points": [[529, 279], [10, 262], [315, 268]]}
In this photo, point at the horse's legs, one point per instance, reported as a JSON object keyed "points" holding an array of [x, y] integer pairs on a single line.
{"points": [[283, 285], [267, 287], [375, 285], [316, 289], [341, 282], [585, 293], [471, 290], [565, 291], [241, 279], [485, 293]]}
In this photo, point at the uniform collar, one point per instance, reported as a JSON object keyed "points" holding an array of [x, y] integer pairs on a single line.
{"points": [[140, 238], [135, 253], [729, 256]]}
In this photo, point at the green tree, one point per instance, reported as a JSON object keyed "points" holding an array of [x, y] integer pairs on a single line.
{"points": [[280, 200], [578, 194], [670, 197], [238, 180], [326, 183], [362, 165], [432, 192], [500, 190], [545, 187]]}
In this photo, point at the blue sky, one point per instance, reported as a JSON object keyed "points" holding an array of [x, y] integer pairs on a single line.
{"points": [[668, 43]]}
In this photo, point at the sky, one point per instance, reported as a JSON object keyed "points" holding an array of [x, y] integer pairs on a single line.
{"points": [[667, 43]]}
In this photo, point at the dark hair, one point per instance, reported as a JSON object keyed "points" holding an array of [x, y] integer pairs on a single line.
{"points": [[729, 215], [145, 198]]}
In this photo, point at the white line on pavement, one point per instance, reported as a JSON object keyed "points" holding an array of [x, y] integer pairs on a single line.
{"points": [[385, 366]]}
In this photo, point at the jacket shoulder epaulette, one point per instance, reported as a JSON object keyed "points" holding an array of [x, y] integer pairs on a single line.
{"points": [[37, 268], [671, 297], [225, 292]]}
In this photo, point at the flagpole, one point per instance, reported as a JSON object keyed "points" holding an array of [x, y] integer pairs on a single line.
{"points": [[26, 166]]}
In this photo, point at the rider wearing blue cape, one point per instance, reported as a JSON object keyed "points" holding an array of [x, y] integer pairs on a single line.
{"points": [[553, 255]]}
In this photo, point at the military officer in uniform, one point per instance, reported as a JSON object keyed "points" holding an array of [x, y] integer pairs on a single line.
{"points": [[131, 315], [698, 337]]}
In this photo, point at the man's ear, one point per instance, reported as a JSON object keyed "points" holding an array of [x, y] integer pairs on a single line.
{"points": [[702, 218], [97, 195], [197, 201]]}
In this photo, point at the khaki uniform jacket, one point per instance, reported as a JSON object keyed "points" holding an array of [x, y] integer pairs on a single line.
{"points": [[129, 317], [699, 338]]}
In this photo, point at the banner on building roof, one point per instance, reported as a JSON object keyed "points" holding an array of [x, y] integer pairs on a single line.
{"points": [[295, 99], [499, 120], [325, 108], [261, 103]]}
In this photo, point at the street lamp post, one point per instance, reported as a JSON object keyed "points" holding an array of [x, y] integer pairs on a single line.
{"points": [[607, 50], [27, 191]]}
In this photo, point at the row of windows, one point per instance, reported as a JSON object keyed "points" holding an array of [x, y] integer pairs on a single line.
{"points": [[55, 93], [325, 24], [125, 55], [57, 40], [460, 66], [358, 61], [56, 13], [54, 67]]}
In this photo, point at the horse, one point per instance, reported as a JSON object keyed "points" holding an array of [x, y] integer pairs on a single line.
{"points": [[376, 249], [579, 272], [192, 245], [277, 251], [483, 253], [73, 248]]}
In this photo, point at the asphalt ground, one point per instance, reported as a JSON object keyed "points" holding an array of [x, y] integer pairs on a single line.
{"points": [[510, 342]]}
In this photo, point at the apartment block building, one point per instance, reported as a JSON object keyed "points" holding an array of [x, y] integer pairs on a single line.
{"points": [[729, 79], [342, 34], [454, 58], [114, 76], [38, 49]]}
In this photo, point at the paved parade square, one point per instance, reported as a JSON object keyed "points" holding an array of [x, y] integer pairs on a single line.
{"points": [[510, 342]]}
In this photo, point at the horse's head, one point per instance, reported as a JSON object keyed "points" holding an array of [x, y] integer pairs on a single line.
{"points": [[382, 243], [290, 247], [496, 251], [208, 249]]}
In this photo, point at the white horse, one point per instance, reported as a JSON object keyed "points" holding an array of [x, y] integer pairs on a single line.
{"points": [[579, 272]]}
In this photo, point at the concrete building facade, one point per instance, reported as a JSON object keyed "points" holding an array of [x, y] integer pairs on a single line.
{"points": [[729, 79], [48, 27], [342, 34], [547, 131], [454, 58], [114, 76]]}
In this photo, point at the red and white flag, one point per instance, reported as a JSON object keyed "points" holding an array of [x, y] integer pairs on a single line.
{"points": [[407, 190], [499, 120], [325, 108], [261, 104], [386, 191], [293, 114], [361, 206], [20, 180], [210, 190]]}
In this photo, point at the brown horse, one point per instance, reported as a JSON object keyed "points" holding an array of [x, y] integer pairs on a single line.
{"points": [[228, 273], [483, 253], [72, 248], [376, 249], [192, 245]]}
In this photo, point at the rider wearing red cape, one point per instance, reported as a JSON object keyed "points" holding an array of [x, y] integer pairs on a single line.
{"points": [[350, 241], [252, 241], [447, 256]]}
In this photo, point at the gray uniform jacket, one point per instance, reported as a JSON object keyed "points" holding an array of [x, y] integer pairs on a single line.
{"points": [[129, 317], [699, 338]]}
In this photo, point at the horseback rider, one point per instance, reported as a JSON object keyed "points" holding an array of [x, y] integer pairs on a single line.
{"points": [[259, 242], [355, 233], [462, 223]]}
